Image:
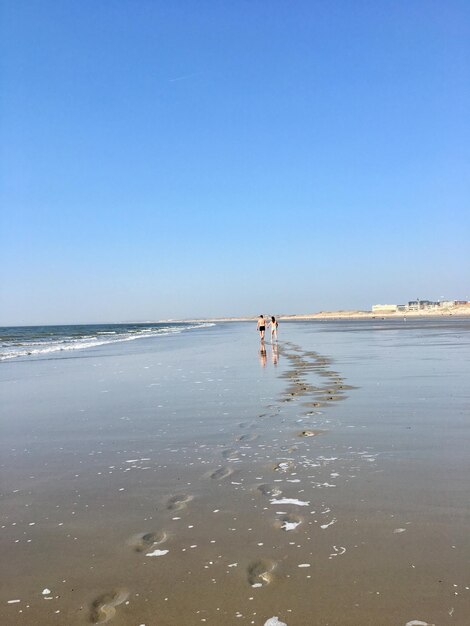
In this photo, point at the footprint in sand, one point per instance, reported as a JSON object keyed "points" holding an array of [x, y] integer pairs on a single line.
{"points": [[260, 573], [104, 607], [311, 354], [335, 397], [288, 522], [221, 473], [284, 466], [310, 433], [176, 503], [230, 454], [269, 490], [145, 541], [315, 405], [248, 437]]}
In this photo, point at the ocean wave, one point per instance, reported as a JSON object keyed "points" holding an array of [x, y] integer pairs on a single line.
{"points": [[11, 350]]}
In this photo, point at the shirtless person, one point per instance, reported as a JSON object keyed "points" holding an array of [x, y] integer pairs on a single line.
{"points": [[261, 327]]}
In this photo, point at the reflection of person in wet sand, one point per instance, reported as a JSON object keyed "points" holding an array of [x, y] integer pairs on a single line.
{"points": [[275, 353], [261, 326], [274, 324], [262, 355]]}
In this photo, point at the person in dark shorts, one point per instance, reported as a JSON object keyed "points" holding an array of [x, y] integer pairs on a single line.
{"points": [[261, 326]]}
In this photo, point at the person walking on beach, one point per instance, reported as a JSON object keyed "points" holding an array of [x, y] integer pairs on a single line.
{"points": [[274, 324], [261, 327]]}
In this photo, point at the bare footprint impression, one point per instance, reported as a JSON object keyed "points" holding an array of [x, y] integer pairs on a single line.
{"points": [[311, 433], [221, 473], [230, 454], [145, 541], [178, 502], [259, 573], [104, 607], [272, 491], [284, 466], [248, 437], [288, 522]]}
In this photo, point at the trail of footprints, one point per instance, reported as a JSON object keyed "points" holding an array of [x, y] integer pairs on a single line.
{"points": [[104, 607], [260, 572]]}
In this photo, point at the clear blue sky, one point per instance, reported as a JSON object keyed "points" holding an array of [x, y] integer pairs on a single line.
{"points": [[174, 159]]}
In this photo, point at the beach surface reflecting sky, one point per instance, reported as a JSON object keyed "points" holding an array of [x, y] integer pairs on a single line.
{"points": [[202, 477]]}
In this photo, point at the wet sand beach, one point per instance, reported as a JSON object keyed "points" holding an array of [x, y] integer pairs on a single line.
{"points": [[194, 479]]}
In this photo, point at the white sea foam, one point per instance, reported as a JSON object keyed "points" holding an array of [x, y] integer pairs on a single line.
{"points": [[338, 551], [274, 621], [100, 338], [290, 525], [158, 553], [324, 526], [289, 501]]}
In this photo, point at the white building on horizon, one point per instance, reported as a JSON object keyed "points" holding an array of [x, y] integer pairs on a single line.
{"points": [[417, 305]]}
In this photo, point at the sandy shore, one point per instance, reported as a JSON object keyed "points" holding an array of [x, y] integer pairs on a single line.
{"points": [[207, 480], [458, 311]]}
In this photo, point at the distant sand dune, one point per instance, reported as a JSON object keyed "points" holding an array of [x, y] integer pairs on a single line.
{"points": [[456, 311]]}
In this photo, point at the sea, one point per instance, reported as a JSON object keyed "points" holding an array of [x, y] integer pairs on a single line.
{"points": [[40, 341]]}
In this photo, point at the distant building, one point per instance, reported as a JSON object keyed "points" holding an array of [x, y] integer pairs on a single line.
{"points": [[450, 303], [417, 305]]}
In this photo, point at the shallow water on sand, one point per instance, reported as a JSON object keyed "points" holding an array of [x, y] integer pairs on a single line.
{"points": [[196, 479]]}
